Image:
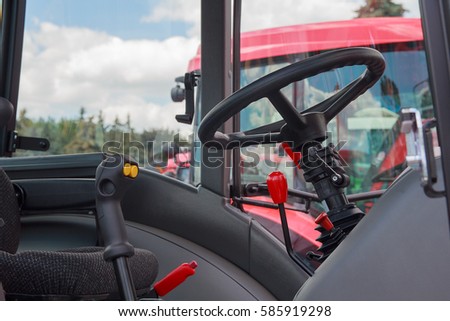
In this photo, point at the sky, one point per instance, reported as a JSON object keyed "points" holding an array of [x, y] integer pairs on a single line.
{"points": [[121, 56]]}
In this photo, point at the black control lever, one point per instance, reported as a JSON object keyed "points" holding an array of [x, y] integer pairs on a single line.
{"points": [[113, 178]]}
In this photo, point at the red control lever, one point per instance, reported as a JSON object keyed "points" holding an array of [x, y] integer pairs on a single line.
{"points": [[324, 221], [277, 185], [175, 278], [278, 189]]}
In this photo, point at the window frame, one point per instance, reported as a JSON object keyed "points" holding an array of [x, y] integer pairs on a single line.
{"points": [[12, 31]]}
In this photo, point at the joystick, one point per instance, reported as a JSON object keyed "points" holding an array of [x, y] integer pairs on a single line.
{"points": [[114, 176]]}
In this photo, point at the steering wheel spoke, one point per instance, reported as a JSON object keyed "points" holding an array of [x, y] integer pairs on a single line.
{"points": [[267, 138], [242, 139], [285, 108], [270, 128]]}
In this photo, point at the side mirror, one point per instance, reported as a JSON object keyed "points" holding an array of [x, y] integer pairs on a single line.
{"points": [[179, 94]]}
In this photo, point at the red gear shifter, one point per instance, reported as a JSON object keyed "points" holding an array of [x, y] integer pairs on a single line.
{"points": [[278, 189], [324, 221], [335, 236], [277, 185]]}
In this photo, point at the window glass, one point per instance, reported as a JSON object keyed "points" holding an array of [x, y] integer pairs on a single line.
{"points": [[367, 131], [99, 73]]}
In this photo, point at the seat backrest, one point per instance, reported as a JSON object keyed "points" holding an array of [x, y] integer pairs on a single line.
{"points": [[9, 215]]}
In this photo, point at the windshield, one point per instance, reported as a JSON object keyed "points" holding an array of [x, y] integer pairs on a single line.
{"points": [[366, 133], [368, 128]]}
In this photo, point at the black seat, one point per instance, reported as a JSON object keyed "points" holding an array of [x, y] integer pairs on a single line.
{"points": [[72, 274]]}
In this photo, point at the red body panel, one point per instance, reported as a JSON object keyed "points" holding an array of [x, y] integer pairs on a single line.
{"points": [[324, 36], [301, 223]]}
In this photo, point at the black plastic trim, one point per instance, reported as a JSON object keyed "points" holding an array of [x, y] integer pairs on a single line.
{"points": [[13, 23], [436, 26], [55, 166], [57, 194]]}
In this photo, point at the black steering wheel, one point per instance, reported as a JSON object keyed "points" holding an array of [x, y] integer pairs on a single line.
{"points": [[297, 127]]}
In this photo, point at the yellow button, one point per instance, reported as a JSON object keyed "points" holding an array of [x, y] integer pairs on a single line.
{"points": [[134, 171], [127, 169]]}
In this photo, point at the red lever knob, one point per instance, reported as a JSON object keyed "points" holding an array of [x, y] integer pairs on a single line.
{"points": [[277, 185], [175, 278], [324, 221]]}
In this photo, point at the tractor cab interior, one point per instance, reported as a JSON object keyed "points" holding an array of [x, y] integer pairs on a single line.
{"points": [[299, 159]]}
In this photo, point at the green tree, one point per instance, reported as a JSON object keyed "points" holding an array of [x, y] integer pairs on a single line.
{"points": [[66, 132], [84, 140], [82, 112], [100, 130], [23, 122], [380, 8], [87, 134]]}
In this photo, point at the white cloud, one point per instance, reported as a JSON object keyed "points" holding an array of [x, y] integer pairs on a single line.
{"points": [[412, 6], [177, 10], [260, 14], [66, 68], [266, 14], [145, 114], [289, 12]]}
